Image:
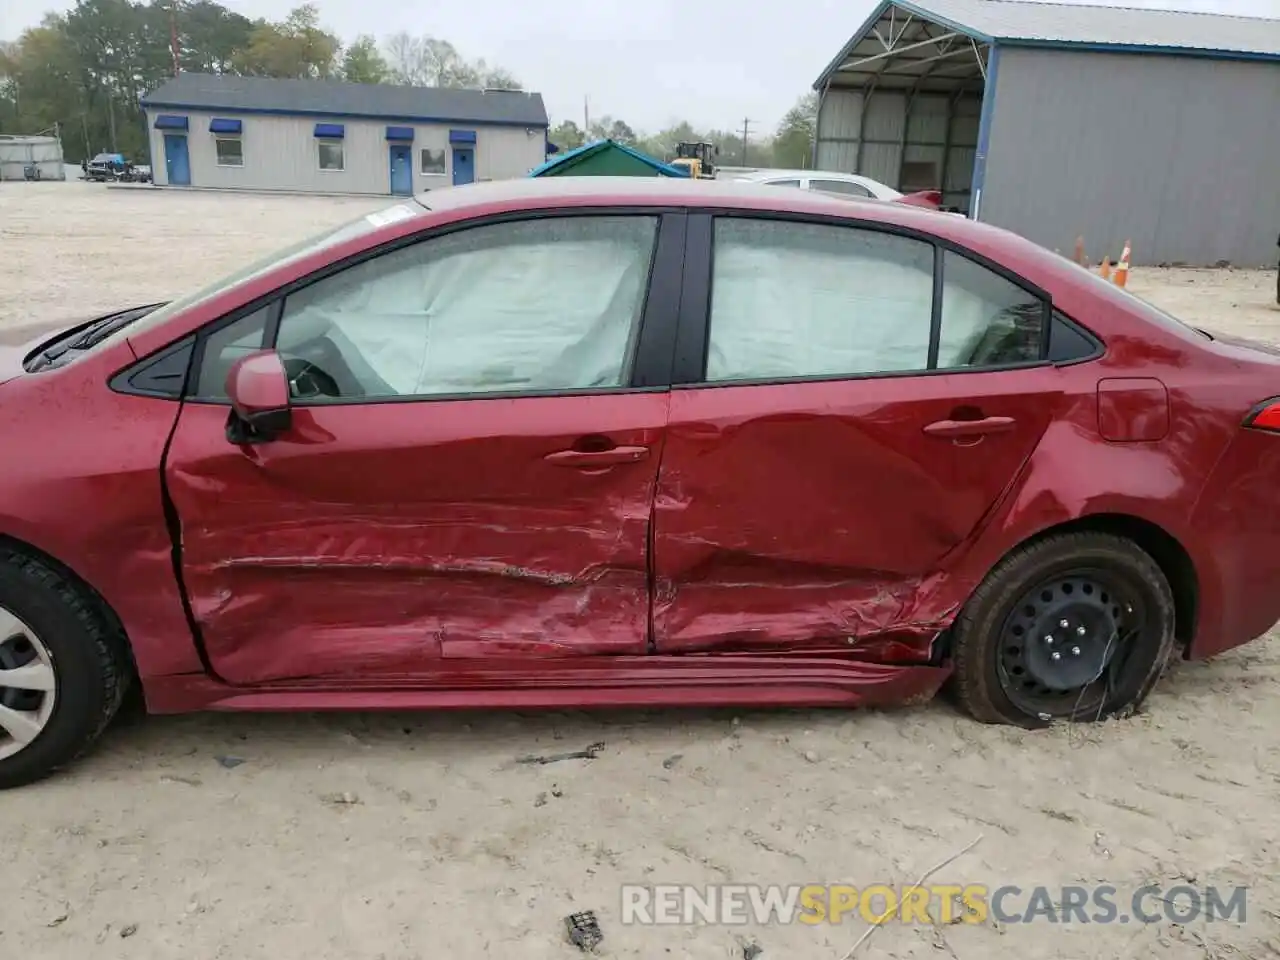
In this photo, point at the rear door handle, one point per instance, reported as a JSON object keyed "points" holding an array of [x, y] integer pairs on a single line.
{"points": [[970, 428], [597, 458]]}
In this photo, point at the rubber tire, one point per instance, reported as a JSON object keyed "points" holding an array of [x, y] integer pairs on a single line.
{"points": [[977, 630], [90, 658]]}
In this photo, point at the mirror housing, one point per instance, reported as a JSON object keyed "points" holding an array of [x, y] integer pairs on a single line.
{"points": [[258, 387]]}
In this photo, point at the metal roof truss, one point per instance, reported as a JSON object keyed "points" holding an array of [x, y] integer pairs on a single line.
{"points": [[904, 51]]}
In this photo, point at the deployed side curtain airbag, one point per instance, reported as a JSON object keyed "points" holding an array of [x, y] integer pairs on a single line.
{"points": [[543, 305]]}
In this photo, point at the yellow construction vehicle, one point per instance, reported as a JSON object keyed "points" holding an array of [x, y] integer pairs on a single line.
{"points": [[697, 158]]}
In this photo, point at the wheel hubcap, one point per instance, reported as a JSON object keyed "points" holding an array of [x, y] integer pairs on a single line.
{"points": [[28, 685], [1064, 637]]}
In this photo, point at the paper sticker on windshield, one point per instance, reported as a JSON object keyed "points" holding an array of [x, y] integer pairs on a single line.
{"points": [[391, 215]]}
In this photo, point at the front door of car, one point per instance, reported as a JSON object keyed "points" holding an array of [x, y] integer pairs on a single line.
{"points": [[820, 474], [469, 471]]}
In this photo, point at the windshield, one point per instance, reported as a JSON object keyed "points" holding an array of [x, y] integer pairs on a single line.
{"points": [[278, 258]]}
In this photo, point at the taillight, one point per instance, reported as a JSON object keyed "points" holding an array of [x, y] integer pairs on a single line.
{"points": [[1265, 416], [931, 199]]}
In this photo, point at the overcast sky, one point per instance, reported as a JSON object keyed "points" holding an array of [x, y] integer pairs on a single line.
{"points": [[648, 62]]}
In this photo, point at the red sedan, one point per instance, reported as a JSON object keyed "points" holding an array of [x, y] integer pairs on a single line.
{"points": [[620, 442]]}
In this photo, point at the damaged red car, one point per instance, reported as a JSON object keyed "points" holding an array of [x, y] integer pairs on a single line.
{"points": [[552, 443]]}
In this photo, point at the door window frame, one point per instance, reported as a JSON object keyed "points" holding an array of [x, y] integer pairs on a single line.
{"points": [[653, 344], [694, 333]]}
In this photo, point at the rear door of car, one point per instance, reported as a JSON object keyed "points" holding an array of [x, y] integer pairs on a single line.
{"points": [[849, 402], [477, 426]]}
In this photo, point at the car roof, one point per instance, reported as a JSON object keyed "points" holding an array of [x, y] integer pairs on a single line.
{"points": [[530, 194], [659, 191]]}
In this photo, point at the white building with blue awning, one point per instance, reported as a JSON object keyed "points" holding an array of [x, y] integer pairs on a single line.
{"points": [[323, 136]]}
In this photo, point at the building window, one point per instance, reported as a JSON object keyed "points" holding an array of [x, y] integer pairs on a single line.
{"points": [[432, 161], [230, 152], [330, 154]]}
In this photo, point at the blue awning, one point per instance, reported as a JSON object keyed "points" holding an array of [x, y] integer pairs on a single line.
{"points": [[217, 125], [330, 131], [169, 121], [399, 133], [462, 136]]}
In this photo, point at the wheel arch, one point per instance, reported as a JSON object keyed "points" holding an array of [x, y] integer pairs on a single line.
{"points": [[80, 583], [1165, 549]]}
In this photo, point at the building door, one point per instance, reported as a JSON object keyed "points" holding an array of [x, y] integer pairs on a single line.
{"points": [[401, 170], [464, 165], [176, 162]]}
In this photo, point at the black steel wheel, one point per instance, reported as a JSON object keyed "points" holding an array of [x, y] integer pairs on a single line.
{"points": [[1077, 626]]}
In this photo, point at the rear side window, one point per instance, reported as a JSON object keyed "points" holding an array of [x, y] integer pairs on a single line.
{"points": [[987, 320], [1067, 343], [840, 186], [793, 300], [810, 300]]}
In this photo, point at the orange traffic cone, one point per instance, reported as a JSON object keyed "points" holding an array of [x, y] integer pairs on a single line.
{"points": [[1122, 268], [1105, 270]]}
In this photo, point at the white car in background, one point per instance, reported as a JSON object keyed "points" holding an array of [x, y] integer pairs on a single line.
{"points": [[842, 184]]}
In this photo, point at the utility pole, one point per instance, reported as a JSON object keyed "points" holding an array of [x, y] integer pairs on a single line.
{"points": [[586, 120], [111, 120], [746, 125]]}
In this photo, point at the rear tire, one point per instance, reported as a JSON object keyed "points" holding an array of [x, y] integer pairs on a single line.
{"points": [[1077, 626], [51, 623]]}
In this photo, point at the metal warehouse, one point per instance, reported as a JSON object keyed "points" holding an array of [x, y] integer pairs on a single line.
{"points": [[1059, 121], [321, 136]]}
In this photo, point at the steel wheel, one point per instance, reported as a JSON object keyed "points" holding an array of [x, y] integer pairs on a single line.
{"points": [[1097, 600], [1065, 646], [28, 685]]}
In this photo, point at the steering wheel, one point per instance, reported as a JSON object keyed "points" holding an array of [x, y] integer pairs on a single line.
{"points": [[307, 381]]}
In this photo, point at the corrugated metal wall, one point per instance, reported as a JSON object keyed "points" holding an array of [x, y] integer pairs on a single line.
{"points": [[280, 153], [941, 129], [1181, 155]]}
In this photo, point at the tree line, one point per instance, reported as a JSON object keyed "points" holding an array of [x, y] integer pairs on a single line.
{"points": [[83, 73]]}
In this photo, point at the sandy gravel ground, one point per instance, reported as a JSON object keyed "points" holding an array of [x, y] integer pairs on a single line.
{"points": [[411, 836]]}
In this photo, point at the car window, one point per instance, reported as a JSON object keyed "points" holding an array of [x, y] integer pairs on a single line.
{"points": [[810, 300], [538, 305], [224, 347], [782, 183], [840, 186], [987, 320], [1067, 343]]}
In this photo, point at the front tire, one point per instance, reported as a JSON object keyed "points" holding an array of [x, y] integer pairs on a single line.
{"points": [[1077, 626], [64, 669]]}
